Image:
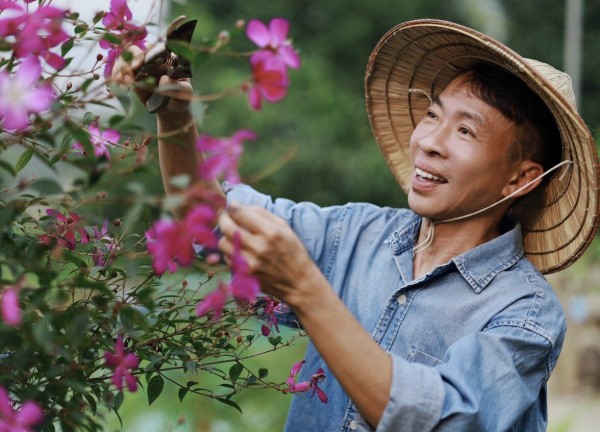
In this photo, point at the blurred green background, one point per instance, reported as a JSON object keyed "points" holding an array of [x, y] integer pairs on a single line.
{"points": [[317, 145]]}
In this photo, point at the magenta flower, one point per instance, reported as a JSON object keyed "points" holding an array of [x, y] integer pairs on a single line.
{"points": [[269, 84], [304, 386], [22, 420], [275, 47], [21, 95], [214, 301], [35, 33], [64, 230], [101, 141], [315, 379], [122, 363], [222, 155], [106, 246], [270, 306], [118, 19], [171, 242], [294, 387], [9, 307], [243, 285]]}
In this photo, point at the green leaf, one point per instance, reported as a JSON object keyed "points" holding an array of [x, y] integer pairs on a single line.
{"points": [[66, 47], [230, 403], [23, 160], [115, 119], [8, 167], [81, 28], [113, 39], [155, 388], [263, 372], [88, 118], [183, 49], [182, 392], [275, 340], [92, 402], [235, 371], [118, 401]]}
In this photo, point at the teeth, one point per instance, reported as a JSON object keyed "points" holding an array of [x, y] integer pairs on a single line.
{"points": [[425, 174]]}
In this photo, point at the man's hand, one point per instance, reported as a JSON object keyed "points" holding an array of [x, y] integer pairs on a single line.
{"points": [[275, 255], [126, 73]]}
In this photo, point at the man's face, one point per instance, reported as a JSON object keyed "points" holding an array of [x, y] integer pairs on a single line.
{"points": [[459, 155]]}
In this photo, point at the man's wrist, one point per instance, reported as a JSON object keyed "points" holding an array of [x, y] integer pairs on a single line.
{"points": [[175, 121]]}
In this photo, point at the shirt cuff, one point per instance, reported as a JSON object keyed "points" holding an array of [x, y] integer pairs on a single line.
{"points": [[416, 398]]}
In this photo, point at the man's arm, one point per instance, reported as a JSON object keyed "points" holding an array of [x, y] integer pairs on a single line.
{"points": [[294, 278], [176, 126]]}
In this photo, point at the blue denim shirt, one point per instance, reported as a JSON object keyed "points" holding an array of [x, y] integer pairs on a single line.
{"points": [[472, 343]]}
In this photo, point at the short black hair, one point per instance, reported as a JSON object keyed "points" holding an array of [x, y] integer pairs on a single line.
{"points": [[538, 138]]}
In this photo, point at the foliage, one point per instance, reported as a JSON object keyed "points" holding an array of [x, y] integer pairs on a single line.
{"points": [[85, 313]]}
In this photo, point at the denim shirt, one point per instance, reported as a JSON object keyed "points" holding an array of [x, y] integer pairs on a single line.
{"points": [[473, 342]]}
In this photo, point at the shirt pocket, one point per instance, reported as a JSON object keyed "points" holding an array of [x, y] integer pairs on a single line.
{"points": [[416, 355]]}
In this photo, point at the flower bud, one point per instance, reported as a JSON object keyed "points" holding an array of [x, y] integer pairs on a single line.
{"points": [[147, 140], [136, 147], [101, 195], [69, 85], [239, 24], [99, 57], [122, 156], [126, 143], [210, 274], [117, 223], [224, 37], [96, 76]]}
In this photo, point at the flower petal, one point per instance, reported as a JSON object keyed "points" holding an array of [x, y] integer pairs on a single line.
{"points": [[279, 29], [258, 33]]}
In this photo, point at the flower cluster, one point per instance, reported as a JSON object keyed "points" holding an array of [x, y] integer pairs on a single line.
{"points": [[100, 140], [304, 386], [9, 305], [33, 31], [122, 33], [21, 420], [122, 363], [269, 64], [222, 155]]}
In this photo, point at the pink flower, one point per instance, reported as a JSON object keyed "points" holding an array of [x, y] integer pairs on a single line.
{"points": [[171, 242], [118, 19], [21, 420], [64, 230], [22, 95], [267, 83], [270, 306], [315, 379], [101, 141], [118, 15], [122, 362], [9, 308], [273, 41], [106, 246], [222, 155], [35, 33], [214, 301], [304, 386], [291, 381], [243, 285]]}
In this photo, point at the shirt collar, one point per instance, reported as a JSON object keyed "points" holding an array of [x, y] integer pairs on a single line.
{"points": [[477, 266]]}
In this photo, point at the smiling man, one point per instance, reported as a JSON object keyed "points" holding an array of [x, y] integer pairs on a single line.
{"points": [[438, 317]]}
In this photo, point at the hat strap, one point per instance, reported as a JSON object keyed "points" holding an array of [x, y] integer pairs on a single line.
{"points": [[429, 239]]}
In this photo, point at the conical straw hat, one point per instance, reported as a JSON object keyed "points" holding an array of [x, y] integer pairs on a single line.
{"points": [[426, 55]]}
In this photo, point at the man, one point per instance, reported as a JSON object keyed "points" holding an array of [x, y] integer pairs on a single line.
{"points": [[438, 317]]}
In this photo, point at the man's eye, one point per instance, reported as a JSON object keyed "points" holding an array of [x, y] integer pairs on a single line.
{"points": [[430, 114], [464, 131]]}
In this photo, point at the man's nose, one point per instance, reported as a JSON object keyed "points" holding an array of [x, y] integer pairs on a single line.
{"points": [[434, 142]]}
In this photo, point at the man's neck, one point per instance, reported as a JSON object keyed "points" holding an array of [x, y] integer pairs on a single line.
{"points": [[450, 240]]}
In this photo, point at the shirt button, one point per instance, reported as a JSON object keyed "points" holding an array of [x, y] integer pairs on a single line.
{"points": [[353, 425], [401, 299]]}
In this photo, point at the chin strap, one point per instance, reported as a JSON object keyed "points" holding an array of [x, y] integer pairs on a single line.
{"points": [[429, 239]]}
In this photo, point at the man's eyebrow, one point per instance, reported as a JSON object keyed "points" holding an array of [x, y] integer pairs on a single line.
{"points": [[463, 113]]}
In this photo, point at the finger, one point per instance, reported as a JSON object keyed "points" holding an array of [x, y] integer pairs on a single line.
{"points": [[254, 219], [229, 229]]}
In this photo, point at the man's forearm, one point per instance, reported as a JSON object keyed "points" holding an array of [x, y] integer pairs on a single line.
{"points": [[177, 136], [361, 366]]}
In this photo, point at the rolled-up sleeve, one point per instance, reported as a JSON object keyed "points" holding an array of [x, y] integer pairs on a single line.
{"points": [[486, 382]]}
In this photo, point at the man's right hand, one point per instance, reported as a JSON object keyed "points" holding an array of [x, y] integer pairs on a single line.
{"points": [[126, 73]]}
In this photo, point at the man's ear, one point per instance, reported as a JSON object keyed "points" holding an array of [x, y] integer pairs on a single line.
{"points": [[525, 172]]}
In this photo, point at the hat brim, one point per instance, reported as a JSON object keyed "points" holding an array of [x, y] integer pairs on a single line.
{"points": [[422, 57]]}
